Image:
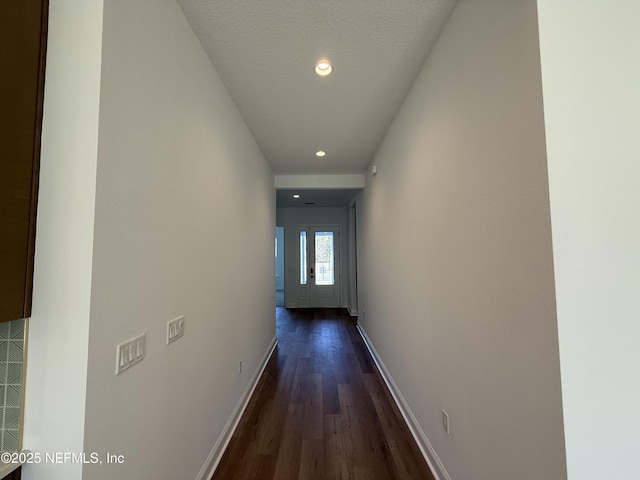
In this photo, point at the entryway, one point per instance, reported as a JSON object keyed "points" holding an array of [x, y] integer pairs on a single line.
{"points": [[279, 250], [319, 266]]}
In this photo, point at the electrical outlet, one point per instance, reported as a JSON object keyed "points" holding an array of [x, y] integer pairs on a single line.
{"points": [[445, 421], [239, 367], [129, 353], [175, 329]]}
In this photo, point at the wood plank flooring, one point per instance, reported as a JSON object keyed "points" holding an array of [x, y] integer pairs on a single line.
{"points": [[321, 410]]}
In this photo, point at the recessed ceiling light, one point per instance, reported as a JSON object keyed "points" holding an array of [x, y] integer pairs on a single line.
{"points": [[295, 195], [323, 68], [320, 153]]}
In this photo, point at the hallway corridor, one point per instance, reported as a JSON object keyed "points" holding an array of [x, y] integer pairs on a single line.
{"points": [[321, 410]]}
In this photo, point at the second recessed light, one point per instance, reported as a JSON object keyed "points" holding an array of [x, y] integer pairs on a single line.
{"points": [[323, 68], [320, 153]]}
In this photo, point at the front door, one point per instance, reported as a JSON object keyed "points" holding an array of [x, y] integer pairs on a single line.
{"points": [[319, 266]]}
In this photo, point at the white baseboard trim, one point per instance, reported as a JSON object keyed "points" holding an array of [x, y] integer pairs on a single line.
{"points": [[353, 311], [429, 454], [210, 465]]}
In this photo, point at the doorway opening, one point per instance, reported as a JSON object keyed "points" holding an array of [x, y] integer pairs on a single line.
{"points": [[319, 266], [279, 250]]}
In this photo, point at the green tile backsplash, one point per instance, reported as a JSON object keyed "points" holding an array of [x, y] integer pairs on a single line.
{"points": [[11, 355]]}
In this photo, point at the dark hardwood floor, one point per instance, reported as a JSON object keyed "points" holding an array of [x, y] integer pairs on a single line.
{"points": [[321, 410]]}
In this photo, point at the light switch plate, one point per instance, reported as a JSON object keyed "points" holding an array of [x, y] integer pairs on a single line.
{"points": [[130, 352], [175, 329]]}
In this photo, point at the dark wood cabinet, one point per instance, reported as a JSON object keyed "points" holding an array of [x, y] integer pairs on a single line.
{"points": [[23, 33], [15, 475]]}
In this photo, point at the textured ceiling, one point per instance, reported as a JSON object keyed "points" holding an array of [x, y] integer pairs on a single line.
{"points": [[265, 52]]}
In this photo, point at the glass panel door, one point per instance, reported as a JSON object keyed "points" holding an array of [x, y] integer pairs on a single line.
{"points": [[324, 266], [324, 258], [318, 266]]}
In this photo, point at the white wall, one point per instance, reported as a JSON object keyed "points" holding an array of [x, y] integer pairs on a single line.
{"points": [[183, 224], [185, 214], [59, 327], [590, 77], [455, 272], [290, 218]]}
